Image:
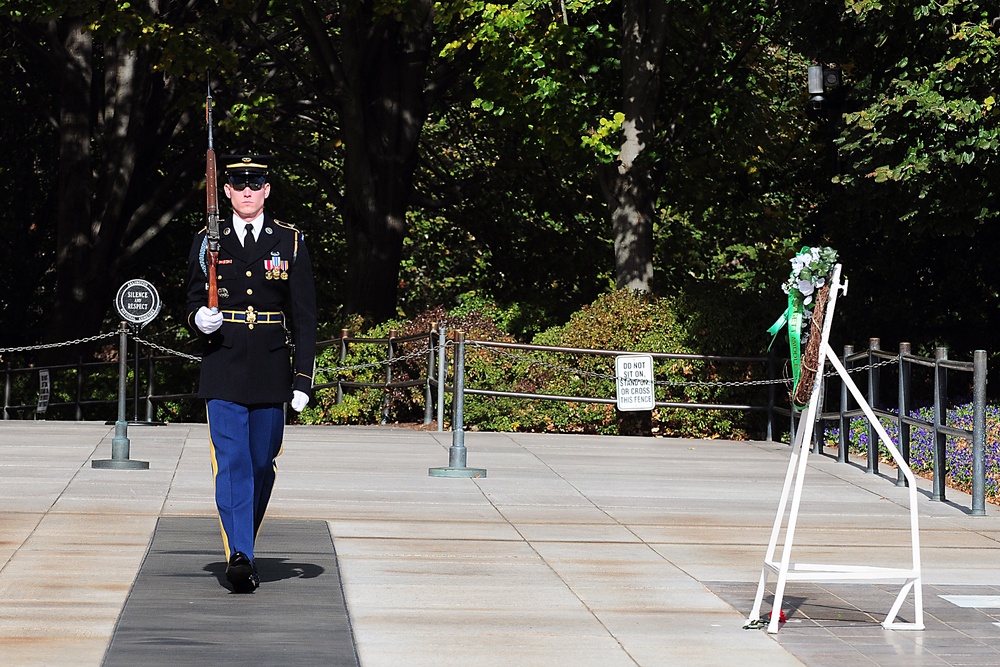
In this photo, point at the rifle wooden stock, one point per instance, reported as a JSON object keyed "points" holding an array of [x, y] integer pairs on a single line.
{"points": [[212, 206], [213, 280], [212, 211]]}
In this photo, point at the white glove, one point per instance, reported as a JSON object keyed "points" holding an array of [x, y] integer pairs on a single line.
{"points": [[206, 320], [299, 400]]}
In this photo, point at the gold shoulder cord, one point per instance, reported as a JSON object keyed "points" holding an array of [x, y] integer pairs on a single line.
{"points": [[295, 236]]}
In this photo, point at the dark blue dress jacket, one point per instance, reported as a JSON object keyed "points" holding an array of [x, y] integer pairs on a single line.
{"points": [[252, 362]]}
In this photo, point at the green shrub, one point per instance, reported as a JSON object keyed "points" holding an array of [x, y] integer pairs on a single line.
{"points": [[365, 362], [621, 321]]}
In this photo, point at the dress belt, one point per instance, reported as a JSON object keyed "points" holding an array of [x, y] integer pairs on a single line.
{"points": [[251, 317]]}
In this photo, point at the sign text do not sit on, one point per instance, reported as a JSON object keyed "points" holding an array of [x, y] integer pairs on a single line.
{"points": [[634, 381]]}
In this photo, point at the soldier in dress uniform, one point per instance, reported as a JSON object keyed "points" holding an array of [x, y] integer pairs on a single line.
{"points": [[259, 349]]}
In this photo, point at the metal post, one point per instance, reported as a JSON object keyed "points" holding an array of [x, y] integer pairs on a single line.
{"points": [[817, 446], [845, 421], [979, 433], [442, 375], [428, 394], [6, 391], [940, 419], [389, 357], [873, 392], [903, 428], [456, 457], [79, 388], [457, 452], [150, 386], [771, 395], [120, 444], [135, 373], [343, 358]]}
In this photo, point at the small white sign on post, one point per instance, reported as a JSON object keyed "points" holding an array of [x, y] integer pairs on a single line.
{"points": [[43, 391], [634, 380]]}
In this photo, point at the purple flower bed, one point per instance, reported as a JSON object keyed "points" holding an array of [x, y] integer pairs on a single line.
{"points": [[958, 451]]}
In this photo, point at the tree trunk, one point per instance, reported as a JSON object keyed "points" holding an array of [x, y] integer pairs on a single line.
{"points": [[383, 111], [631, 202], [629, 186], [69, 315]]}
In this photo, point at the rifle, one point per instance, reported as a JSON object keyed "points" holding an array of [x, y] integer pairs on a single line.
{"points": [[212, 206]]}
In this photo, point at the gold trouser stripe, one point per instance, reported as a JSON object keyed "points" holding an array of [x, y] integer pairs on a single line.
{"points": [[215, 474]]}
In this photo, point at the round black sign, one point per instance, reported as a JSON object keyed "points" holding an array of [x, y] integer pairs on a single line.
{"points": [[138, 302]]}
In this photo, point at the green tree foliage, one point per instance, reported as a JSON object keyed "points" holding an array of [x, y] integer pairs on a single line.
{"points": [[365, 76], [28, 144], [116, 81], [721, 182], [498, 214], [926, 125], [438, 151], [916, 219]]}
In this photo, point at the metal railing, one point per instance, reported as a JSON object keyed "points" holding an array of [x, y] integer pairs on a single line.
{"points": [[83, 384], [897, 407], [434, 379], [79, 371], [392, 356], [511, 350], [78, 377]]}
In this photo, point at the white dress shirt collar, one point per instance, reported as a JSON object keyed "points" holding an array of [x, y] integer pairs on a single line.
{"points": [[240, 225]]}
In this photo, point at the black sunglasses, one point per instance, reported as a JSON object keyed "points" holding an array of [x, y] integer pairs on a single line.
{"points": [[239, 183]]}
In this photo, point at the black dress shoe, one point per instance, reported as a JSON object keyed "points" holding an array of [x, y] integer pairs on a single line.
{"points": [[242, 573]]}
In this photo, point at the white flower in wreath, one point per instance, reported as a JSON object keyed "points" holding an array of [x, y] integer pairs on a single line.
{"points": [[806, 289], [809, 272]]}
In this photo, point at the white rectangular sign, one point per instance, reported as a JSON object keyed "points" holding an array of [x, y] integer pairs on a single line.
{"points": [[43, 391], [634, 380]]}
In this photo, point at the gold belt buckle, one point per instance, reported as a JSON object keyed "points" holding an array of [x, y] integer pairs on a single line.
{"points": [[251, 317]]}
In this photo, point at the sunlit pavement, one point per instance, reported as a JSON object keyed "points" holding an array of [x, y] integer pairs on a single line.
{"points": [[573, 550]]}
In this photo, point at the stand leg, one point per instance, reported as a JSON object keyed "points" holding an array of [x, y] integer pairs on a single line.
{"points": [[759, 599]]}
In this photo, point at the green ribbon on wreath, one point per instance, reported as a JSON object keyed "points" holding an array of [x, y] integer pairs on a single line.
{"points": [[815, 268], [793, 318]]}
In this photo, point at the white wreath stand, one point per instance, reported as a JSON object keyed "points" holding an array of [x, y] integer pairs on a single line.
{"points": [[785, 569]]}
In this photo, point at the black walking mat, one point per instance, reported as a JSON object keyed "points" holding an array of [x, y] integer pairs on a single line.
{"points": [[181, 612]]}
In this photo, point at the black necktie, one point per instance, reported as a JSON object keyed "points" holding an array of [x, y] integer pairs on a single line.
{"points": [[249, 243]]}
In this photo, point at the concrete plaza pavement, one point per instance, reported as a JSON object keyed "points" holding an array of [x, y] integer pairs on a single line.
{"points": [[573, 550]]}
